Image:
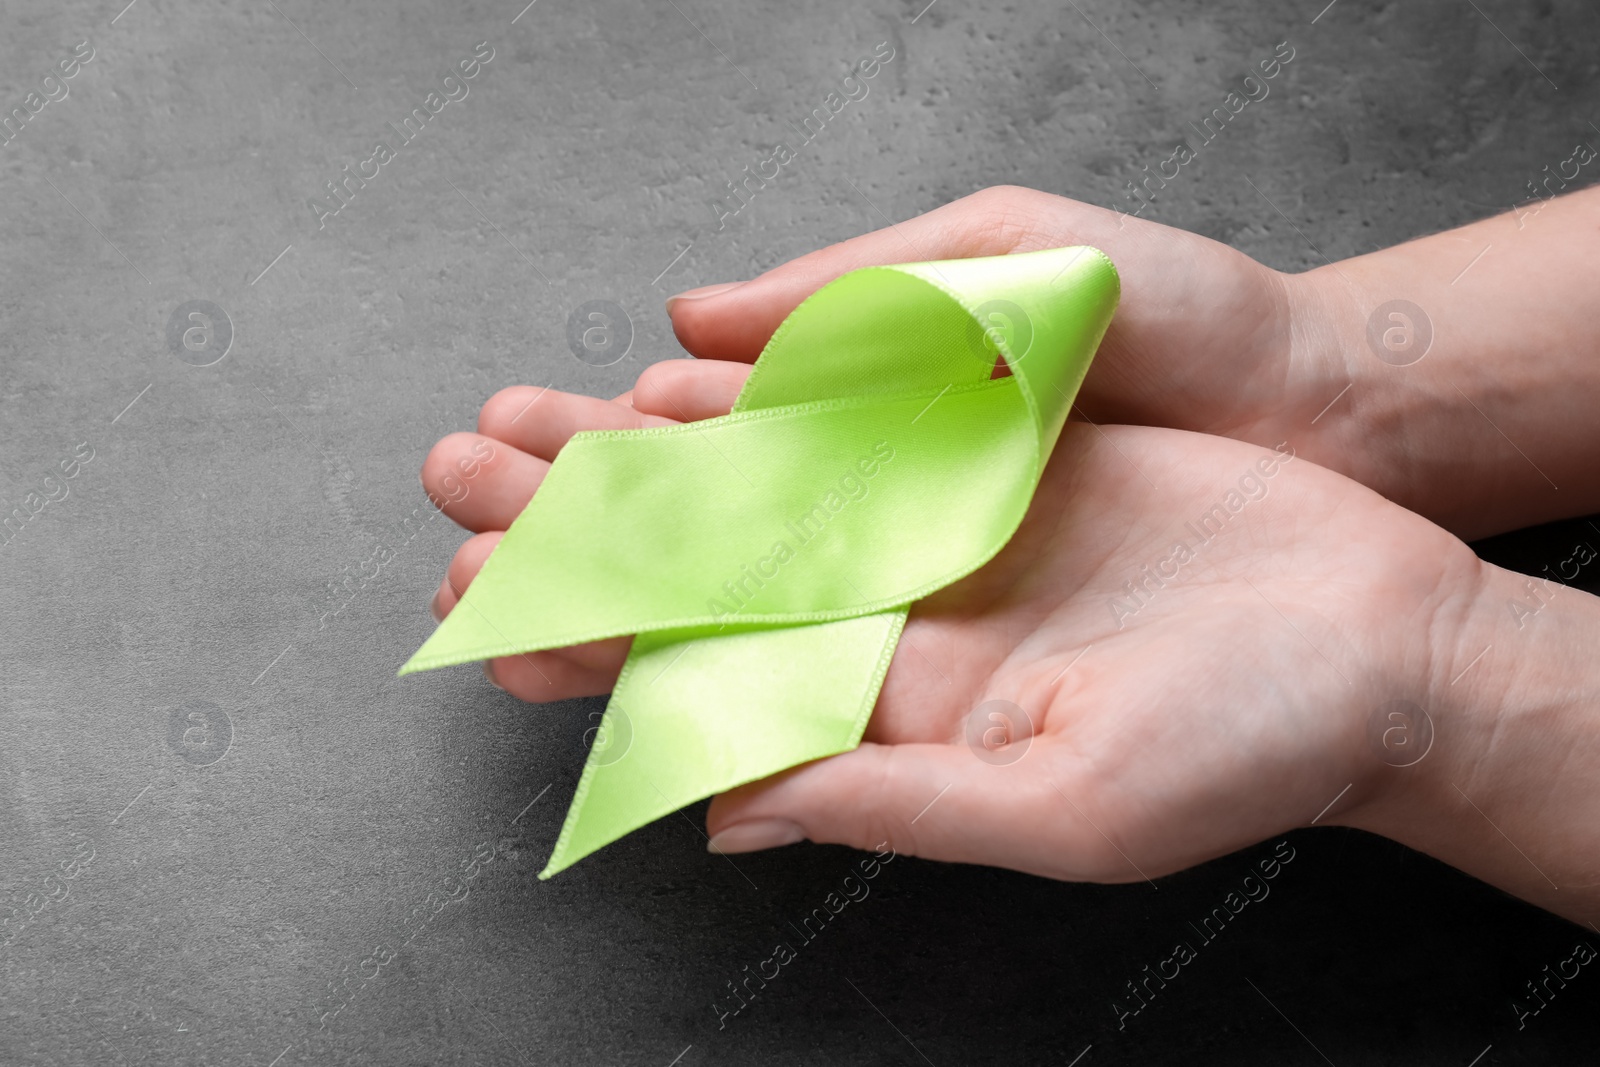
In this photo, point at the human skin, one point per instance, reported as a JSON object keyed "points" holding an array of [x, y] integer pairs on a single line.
{"points": [[1474, 436], [1236, 703]]}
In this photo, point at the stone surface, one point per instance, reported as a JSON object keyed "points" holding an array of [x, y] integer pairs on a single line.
{"points": [[194, 694]]}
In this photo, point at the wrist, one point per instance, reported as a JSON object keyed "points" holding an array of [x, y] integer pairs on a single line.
{"points": [[1509, 788], [1375, 407], [1470, 366]]}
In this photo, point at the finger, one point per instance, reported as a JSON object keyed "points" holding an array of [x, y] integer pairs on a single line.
{"points": [[481, 483], [600, 661], [464, 567], [686, 390], [734, 322], [540, 421], [540, 677], [932, 800]]}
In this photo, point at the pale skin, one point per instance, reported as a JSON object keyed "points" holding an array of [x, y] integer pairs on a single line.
{"points": [[1236, 702]]}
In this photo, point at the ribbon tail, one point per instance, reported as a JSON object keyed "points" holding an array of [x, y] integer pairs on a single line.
{"points": [[695, 715]]}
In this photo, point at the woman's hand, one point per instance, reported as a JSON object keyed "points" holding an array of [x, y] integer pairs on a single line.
{"points": [[1458, 388], [1172, 704], [1205, 338]]}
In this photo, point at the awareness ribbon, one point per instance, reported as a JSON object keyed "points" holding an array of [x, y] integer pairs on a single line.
{"points": [[766, 559]]}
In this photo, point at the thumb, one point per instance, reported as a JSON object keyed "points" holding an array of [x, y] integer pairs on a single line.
{"points": [[734, 322], [937, 801]]}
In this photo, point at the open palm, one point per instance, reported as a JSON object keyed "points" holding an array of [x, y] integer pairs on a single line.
{"points": [[1095, 703]]}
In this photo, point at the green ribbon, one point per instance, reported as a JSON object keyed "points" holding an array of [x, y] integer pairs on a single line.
{"points": [[766, 559]]}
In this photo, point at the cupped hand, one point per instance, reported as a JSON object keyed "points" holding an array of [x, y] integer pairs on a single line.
{"points": [[1179, 703], [1205, 339]]}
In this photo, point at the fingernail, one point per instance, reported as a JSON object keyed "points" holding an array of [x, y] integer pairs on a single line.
{"points": [[488, 672], [754, 836], [433, 606], [701, 293]]}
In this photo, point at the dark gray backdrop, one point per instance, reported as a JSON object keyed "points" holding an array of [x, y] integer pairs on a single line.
{"points": [[228, 832]]}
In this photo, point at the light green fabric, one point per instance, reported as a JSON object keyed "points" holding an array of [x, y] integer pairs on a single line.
{"points": [[766, 559]]}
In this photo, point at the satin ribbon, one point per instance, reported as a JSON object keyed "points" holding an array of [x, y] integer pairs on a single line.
{"points": [[766, 559]]}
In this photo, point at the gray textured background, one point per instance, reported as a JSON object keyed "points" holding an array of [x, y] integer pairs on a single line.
{"points": [[245, 872]]}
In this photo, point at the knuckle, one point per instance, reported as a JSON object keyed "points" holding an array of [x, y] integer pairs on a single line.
{"points": [[1002, 194], [1013, 218]]}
